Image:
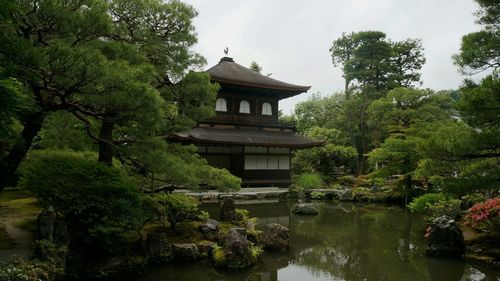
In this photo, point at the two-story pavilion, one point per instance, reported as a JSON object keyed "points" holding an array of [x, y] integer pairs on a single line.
{"points": [[244, 136]]}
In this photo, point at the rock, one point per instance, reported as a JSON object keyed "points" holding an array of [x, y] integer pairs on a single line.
{"points": [[205, 248], [237, 250], [241, 230], [276, 237], [346, 195], [445, 239], [227, 210], [250, 225], [210, 228], [186, 252], [304, 209], [159, 250], [46, 221]]}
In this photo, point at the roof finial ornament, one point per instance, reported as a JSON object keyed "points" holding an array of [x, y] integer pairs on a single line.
{"points": [[226, 51]]}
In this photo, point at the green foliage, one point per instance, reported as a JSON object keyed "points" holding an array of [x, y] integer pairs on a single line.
{"points": [[326, 158], [255, 67], [369, 59], [480, 50], [448, 207], [420, 203], [471, 199], [62, 130], [308, 181], [317, 195], [100, 204], [20, 270], [175, 207]]}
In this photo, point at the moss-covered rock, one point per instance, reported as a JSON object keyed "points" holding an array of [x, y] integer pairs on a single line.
{"points": [[159, 250], [237, 252]]}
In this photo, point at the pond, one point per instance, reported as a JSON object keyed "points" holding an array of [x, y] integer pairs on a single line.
{"points": [[351, 242]]}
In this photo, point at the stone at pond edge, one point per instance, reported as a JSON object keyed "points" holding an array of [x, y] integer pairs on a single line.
{"points": [[445, 239], [186, 252], [227, 210], [304, 209], [237, 251], [276, 237], [159, 250], [210, 228]]}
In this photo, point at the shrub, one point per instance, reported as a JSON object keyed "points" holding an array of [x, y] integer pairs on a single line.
{"points": [[308, 181], [471, 199], [20, 270], [176, 207], [484, 216], [317, 195], [448, 207], [420, 203], [100, 204], [347, 180]]}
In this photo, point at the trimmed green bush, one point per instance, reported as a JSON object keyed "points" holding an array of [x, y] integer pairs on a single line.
{"points": [[176, 207], [100, 204], [419, 204]]}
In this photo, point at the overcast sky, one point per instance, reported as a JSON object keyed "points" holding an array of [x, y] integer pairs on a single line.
{"points": [[291, 38]]}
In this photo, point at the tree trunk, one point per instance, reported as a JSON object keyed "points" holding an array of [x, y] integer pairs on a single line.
{"points": [[8, 165], [106, 143]]}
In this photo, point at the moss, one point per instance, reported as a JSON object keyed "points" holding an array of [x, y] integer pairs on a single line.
{"points": [[19, 209], [186, 232], [29, 224], [218, 256], [5, 240], [12, 194]]}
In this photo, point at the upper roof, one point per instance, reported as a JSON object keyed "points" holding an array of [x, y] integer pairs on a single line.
{"points": [[229, 72]]}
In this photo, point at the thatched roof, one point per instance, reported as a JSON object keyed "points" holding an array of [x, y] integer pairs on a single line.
{"points": [[229, 72], [247, 136]]}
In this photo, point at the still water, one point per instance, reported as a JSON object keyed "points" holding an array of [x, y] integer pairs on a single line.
{"points": [[345, 242]]}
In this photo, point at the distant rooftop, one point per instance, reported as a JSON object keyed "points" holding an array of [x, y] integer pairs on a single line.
{"points": [[229, 72]]}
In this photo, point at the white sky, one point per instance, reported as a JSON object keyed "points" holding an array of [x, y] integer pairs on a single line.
{"points": [[291, 38]]}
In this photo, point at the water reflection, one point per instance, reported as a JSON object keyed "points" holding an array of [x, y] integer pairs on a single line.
{"points": [[344, 242]]}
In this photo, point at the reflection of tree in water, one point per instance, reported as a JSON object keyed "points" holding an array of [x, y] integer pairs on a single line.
{"points": [[363, 244]]}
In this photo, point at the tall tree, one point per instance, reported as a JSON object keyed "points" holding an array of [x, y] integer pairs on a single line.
{"points": [[480, 50], [112, 62], [470, 148], [372, 65], [255, 67], [405, 115]]}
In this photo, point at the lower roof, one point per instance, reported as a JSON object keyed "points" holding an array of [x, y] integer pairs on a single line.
{"points": [[247, 136]]}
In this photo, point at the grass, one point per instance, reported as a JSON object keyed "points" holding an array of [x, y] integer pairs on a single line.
{"points": [[19, 209]]}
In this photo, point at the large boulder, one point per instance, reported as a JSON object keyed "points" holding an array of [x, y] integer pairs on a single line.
{"points": [[159, 250], [276, 237], [304, 209], [345, 195], [209, 229], [227, 210], [186, 252], [445, 239], [237, 251]]}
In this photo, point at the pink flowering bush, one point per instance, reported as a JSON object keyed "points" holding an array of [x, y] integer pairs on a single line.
{"points": [[485, 216]]}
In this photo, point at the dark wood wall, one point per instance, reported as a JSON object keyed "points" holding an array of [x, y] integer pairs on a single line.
{"points": [[255, 117]]}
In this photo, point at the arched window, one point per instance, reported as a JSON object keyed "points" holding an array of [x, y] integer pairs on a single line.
{"points": [[266, 109], [244, 107], [220, 105]]}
